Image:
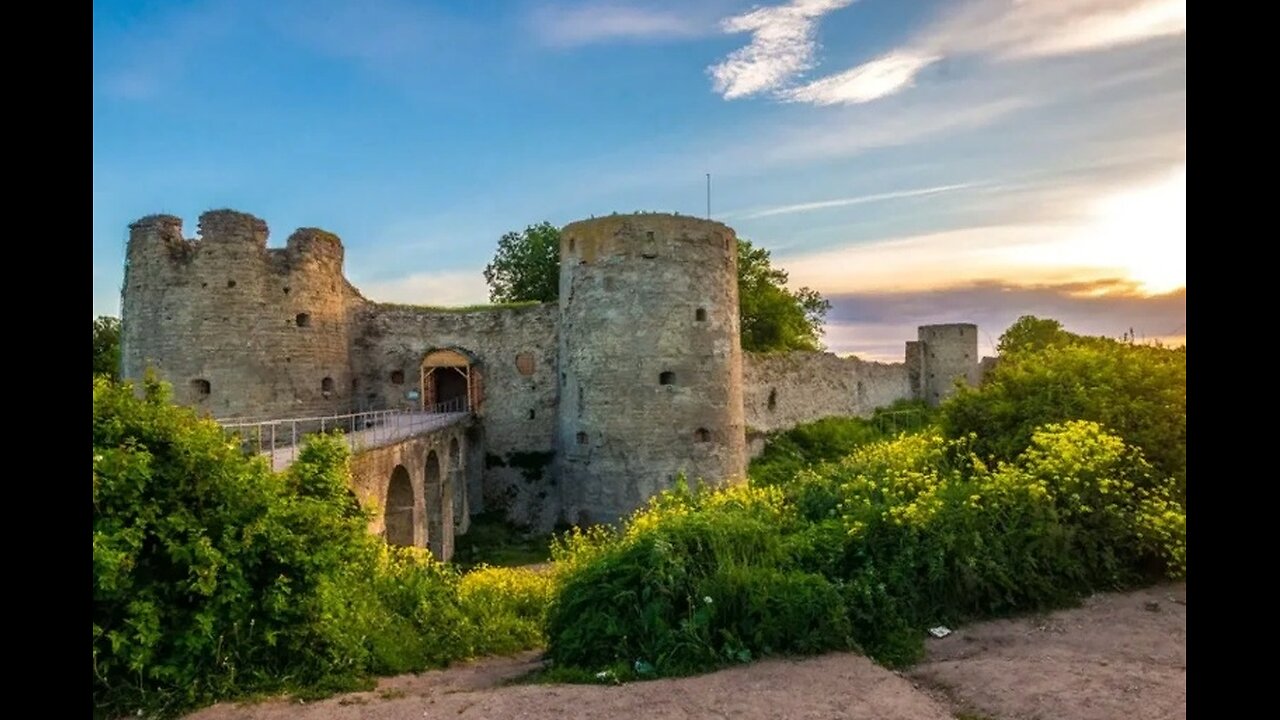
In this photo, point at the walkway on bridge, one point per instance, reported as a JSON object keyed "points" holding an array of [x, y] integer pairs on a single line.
{"points": [[281, 440]]}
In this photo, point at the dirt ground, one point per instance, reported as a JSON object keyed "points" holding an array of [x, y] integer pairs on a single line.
{"points": [[1117, 656]]}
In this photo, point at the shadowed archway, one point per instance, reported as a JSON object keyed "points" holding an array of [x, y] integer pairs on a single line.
{"points": [[398, 516], [450, 381], [439, 505]]}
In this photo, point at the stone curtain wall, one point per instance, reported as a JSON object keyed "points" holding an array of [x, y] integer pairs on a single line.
{"points": [[517, 418], [782, 390]]}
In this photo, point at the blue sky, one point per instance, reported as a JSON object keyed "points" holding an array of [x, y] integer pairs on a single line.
{"points": [[923, 161]]}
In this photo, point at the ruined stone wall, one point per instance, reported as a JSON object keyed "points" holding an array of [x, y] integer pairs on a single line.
{"points": [[650, 360], [514, 440], [947, 352], [239, 330], [782, 390]]}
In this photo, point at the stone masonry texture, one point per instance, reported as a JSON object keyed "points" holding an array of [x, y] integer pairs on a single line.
{"points": [[582, 409]]}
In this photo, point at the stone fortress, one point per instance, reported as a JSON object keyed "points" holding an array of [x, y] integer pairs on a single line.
{"points": [[581, 409]]}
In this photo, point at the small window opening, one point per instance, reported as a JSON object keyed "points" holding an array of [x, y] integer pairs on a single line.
{"points": [[397, 377], [532, 414], [667, 378], [288, 359], [582, 438], [700, 315], [702, 435], [649, 236], [326, 386], [773, 398], [203, 285], [201, 387], [286, 291], [572, 244], [302, 320], [231, 283]]}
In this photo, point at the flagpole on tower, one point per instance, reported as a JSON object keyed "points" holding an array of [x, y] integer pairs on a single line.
{"points": [[708, 196]]}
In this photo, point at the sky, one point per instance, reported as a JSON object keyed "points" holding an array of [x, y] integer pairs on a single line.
{"points": [[916, 162]]}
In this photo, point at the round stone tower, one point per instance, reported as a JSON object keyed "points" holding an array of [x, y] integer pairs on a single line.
{"points": [[238, 329], [650, 360]]}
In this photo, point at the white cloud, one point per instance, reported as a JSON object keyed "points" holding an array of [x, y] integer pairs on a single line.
{"points": [[782, 46], [874, 79], [569, 26], [841, 202], [995, 29], [448, 288], [1039, 28]]}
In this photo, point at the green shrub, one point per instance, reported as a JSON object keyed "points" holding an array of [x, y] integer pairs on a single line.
{"points": [[868, 551], [810, 444], [508, 606], [1138, 392], [697, 580], [214, 577]]}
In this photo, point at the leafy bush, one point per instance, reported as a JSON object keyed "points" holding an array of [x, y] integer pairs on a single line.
{"points": [[1049, 375], [508, 606], [698, 579], [809, 444], [214, 577], [865, 552]]}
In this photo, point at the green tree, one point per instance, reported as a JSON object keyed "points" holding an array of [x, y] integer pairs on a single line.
{"points": [[774, 318], [106, 346], [526, 266], [1138, 392], [1031, 333]]}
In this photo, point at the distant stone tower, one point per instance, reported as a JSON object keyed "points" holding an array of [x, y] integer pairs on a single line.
{"points": [[941, 354], [238, 329], [650, 360]]}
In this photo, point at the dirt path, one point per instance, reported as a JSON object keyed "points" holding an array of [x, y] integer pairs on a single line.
{"points": [[1118, 656]]}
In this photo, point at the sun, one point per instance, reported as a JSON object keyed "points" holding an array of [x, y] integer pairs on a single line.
{"points": [[1143, 233]]}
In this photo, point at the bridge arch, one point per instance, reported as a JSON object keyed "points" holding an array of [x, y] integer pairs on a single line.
{"points": [[450, 380], [439, 505], [398, 515]]}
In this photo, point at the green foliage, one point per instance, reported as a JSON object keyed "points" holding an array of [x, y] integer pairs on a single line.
{"points": [[106, 347], [1030, 333], [526, 266], [808, 444], [774, 318], [492, 540], [864, 551], [216, 578], [698, 580], [1137, 391]]}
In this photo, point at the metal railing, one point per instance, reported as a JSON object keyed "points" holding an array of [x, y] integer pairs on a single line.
{"points": [[281, 439], [456, 405]]}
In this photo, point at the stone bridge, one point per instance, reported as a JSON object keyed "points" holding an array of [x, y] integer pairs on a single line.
{"points": [[410, 468]]}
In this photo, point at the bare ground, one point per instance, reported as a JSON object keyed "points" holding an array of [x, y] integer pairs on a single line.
{"points": [[1117, 656]]}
